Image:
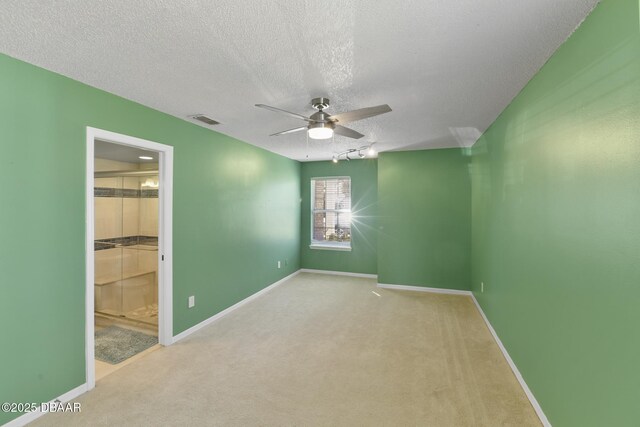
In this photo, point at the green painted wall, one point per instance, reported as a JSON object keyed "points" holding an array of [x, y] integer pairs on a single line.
{"points": [[556, 224], [364, 189], [236, 212], [425, 218]]}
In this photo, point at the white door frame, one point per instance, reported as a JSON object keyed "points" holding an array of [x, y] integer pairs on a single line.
{"points": [[165, 240]]}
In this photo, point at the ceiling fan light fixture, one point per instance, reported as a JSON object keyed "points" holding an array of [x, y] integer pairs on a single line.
{"points": [[320, 131], [335, 159], [371, 152]]}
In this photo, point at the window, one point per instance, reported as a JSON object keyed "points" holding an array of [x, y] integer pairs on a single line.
{"points": [[331, 213]]}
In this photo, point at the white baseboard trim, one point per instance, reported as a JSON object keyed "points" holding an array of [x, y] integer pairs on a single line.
{"points": [[339, 273], [514, 368], [226, 311], [424, 289], [32, 416]]}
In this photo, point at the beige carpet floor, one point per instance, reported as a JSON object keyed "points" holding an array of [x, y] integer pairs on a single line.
{"points": [[320, 350]]}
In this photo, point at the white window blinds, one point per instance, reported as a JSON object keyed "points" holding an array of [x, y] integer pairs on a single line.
{"points": [[331, 210]]}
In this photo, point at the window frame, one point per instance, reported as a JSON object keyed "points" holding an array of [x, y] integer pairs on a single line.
{"points": [[327, 245]]}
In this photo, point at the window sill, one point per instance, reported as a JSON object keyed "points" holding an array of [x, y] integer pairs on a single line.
{"points": [[329, 247]]}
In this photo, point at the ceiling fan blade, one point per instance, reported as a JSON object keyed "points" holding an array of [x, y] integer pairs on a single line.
{"points": [[362, 113], [341, 130], [284, 132], [288, 113]]}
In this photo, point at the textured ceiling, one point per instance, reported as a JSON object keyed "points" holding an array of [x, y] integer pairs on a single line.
{"points": [[447, 68]]}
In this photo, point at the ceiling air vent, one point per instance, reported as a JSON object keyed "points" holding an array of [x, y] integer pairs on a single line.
{"points": [[204, 119]]}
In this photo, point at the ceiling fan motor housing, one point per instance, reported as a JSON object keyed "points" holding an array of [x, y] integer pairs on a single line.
{"points": [[320, 117]]}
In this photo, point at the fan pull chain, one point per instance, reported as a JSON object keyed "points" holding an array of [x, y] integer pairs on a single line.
{"points": [[333, 142]]}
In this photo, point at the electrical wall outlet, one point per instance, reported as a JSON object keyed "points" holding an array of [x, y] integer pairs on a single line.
{"points": [[481, 287], [192, 301], [278, 264]]}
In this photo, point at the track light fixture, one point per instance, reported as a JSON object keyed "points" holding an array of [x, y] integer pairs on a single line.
{"points": [[362, 152]]}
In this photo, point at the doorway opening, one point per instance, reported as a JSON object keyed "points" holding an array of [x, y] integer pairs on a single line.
{"points": [[128, 305]]}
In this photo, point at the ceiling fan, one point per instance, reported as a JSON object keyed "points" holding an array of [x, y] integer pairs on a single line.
{"points": [[322, 125]]}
